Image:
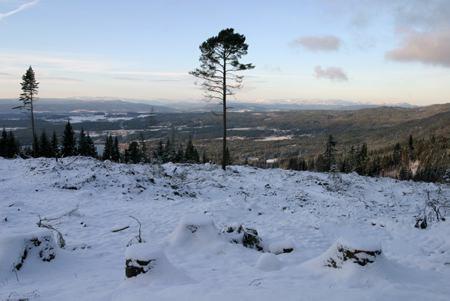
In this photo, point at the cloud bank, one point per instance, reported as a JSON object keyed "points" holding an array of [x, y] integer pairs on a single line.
{"points": [[432, 48], [331, 73]]}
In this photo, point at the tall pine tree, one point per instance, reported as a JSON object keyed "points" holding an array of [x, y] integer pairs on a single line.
{"points": [[29, 88], [219, 69]]}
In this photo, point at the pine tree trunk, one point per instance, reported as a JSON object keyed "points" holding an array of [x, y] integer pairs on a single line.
{"points": [[32, 123], [224, 103]]}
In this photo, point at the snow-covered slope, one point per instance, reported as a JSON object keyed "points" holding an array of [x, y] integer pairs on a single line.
{"points": [[90, 201]]}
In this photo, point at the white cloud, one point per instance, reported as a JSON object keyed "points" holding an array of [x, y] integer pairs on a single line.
{"points": [[20, 8], [331, 73], [431, 48], [318, 43]]}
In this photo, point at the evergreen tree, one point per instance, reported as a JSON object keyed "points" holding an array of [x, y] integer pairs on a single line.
{"points": [[69, 142], [35, 148], [45, 148], [9, 146], [82, 145], [329, 155], [3, 143], [374, 168], [158, 153], [54, 145], [27, 97], [411, 148], [115, 153], [361, 160], [220, 63], [86, 146], [397, 154], [191, 153], [143, 148], [180, 156], [108, 150], [12, 146], [321, 164], [133, 153], [92, 151]]}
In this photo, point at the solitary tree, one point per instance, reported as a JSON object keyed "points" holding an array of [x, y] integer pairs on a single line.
{"points": [[27, 97], [220, 64], [69, 143]]}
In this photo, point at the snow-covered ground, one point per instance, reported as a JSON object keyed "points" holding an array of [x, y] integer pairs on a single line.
{"points": [[86, 200]]}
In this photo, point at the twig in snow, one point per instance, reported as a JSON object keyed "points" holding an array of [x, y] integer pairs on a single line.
{"points": [[61, 240], [120, 229], [138, 238]]}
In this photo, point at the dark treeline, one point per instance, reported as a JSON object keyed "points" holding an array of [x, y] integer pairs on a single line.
{"points": [[9, 145], [419, 160], [83, 145], [177, 153]]}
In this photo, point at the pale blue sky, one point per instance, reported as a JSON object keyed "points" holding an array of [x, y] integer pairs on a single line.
{"points": [[377, 51]]}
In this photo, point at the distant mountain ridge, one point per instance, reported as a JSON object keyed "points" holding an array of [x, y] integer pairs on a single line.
{"points": [[64, 105]]}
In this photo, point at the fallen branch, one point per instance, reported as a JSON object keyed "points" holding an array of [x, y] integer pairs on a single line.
{"points": [[120, 229], [61, 240], [68, 213]]}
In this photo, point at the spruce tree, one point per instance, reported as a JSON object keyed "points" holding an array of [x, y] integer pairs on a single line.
{"points": [[143, 148], [411, 148], [329, 155], [397, 154], [9, 146], [27, 97], [361, 160], [190, 151], [108, 150], [69, 142], [54, 145], [82, 147], [115, 153], [180, 156], [3, 143], [36, 152], [90, 146], [45, 148], [133, 153], [158, 153]]}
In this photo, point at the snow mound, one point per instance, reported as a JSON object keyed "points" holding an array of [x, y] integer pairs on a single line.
{"points": [[341, 253], [149, 262], [194, 229], [280, 247], [268, 262], [141, 258], [247, 237], [17, 250]]}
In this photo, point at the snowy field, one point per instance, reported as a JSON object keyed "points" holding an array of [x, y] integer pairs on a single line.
{"points": [[90, 203]]}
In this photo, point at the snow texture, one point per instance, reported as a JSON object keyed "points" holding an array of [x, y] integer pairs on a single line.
{"points": [[182, 209]]}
